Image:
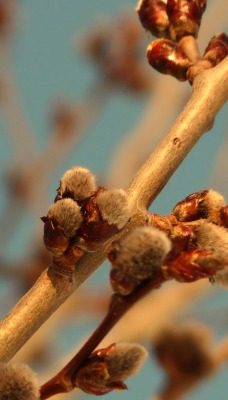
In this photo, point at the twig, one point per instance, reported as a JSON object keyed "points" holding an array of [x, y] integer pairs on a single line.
{"points": [[210, 92]]}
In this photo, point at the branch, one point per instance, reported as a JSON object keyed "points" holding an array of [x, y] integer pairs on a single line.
{"points": [[210, 92]]}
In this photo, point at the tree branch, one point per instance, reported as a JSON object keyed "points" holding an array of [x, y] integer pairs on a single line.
{"points": [[210, 92]]}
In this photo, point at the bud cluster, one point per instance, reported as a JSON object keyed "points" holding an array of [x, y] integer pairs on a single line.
{"points": [[82, 217], [115, 48], [197, 228], [175, 21], [106, 369]]}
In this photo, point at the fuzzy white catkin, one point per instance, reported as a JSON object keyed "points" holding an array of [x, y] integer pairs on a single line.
{"points": [[125, 360], [18, 382], [80, 181], [142, 251], [114, 206], [67, 213], [213, 202], [214, 238]]}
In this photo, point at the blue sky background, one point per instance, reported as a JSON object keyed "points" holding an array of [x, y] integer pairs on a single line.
{"points": [[47, 66]]}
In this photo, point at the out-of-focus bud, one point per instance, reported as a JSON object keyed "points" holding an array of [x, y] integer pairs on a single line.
{"points": [[224, 216], [62, 222], [184, 352], [18, 382], [78, 183], [185, 17], [106, 369], [63, 118], [203, 204], [217, 49], [136, 258], [153, 16], [168, 58]]}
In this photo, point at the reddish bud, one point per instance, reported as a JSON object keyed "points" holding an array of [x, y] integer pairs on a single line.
{"points": [[168, 58], [202, 204], [191, 266], [54, 239], [185, 17], [104, 215], [217, 49], [106, 369], [153, 16]]}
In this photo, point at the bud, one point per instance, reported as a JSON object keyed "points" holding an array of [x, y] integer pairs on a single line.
{"points": [[153, 16], [67, 214], [64, 118], [78, 183], [104, 215], [213, 238], [203, 204], [137, 257], [192, 265], [184, 352], [185, 17], [18, 382], [125, 359], [114, 206], [106, 369], [217, 49], [168, 58], [62, 222]]}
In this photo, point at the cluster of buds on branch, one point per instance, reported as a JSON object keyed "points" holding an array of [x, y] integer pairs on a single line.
{"points": [[82, 218], [177, 23], [115, 49], [197, 228], [189, 244]]}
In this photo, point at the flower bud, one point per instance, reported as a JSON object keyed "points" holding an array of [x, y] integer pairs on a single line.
{"points": [[18, 382], [106, 369], [213, 238], [184, 352], [193, 265], [203, 204], [114, 206], [67, 214], [78, 183], [217, 49], [125, 360], [185, 17], [104, 215], [168, 58], [153, 16], [137, 257], [62, 222]]}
